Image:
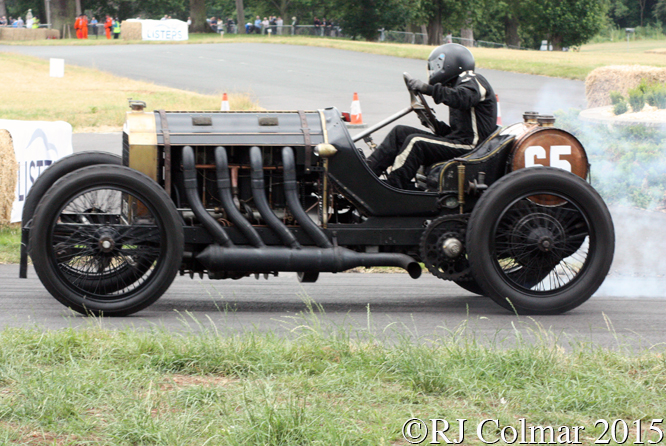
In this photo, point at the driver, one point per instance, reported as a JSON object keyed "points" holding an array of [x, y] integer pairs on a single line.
{"points": [[472, 118]]}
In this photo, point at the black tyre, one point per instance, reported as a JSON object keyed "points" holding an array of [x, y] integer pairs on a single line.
{"points": [[471, 286], [537, 259], [107, 240]]}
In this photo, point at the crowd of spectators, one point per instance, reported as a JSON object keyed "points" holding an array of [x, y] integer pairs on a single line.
{"points": [[30, 21]]}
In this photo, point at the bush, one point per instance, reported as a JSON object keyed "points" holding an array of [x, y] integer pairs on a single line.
{"points": [[656, 96], [616, 97], [621, 107], [636, 99]]}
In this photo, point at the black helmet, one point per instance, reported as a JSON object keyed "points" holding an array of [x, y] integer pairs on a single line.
{"points": [[447, 62]]}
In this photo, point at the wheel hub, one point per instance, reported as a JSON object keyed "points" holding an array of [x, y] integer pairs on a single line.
{"points": [[106, 244], [535, 236], [452, 247], [443, 248]]}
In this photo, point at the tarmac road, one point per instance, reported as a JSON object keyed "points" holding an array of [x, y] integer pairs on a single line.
{"points": [[295, 77], [286, 77], [399, 306]]}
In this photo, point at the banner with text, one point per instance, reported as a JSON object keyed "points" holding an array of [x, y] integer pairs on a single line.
{"points": [[37, 145], [164, 30]]}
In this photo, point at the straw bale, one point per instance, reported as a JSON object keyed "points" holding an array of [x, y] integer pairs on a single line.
{"points": [[601, 81], [130, 30], [8, 176]]}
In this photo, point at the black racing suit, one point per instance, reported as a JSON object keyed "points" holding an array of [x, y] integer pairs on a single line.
{"points": [[472, 117]]}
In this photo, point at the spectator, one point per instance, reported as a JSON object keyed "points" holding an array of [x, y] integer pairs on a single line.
{"points": [[108, 23], [264, 26], [35, 23], [317, 26], [189, 22], [116, 28], [93, 24], [294, 25], [257, 25], [3, 21], [29, 19], [273, 23], [280, 24], [164, 18], [230, 25], [213, 24], [249, 27], [77, 27]]}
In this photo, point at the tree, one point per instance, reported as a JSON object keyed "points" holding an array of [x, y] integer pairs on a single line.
{"points": [[441, 15], [3, 9], [566, 23], [63, 12], [198, 16], [240, 16], [660, 10]]}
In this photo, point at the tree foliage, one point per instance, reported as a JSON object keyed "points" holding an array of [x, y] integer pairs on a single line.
{"points": [[566, 23]]}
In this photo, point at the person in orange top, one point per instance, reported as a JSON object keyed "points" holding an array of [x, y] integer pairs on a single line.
{"points": [[84, 26], [107, 26], [77, 27]]}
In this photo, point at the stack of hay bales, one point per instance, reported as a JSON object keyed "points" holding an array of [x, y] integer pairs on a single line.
{"points": [[601, 81], [28, 34], [8, 176], [130, 30]]}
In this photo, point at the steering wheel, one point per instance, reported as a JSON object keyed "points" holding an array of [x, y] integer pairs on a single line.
{"points": [[421, 107]]}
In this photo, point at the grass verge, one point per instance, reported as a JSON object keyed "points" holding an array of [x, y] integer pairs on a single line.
{"points": [[311, 386], [91, 100], [570, 64], [10, 243]]}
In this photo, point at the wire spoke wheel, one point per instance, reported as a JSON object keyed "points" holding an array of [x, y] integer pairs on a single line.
{"points": [[539, 248], [538, 259], [107, 240]]}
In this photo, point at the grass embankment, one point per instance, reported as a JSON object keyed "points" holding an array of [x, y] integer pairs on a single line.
{"points": [[570, 64], [10, 243], [90, 100], [93, 386]]}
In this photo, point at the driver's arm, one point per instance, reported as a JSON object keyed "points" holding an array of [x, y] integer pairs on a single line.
{"points": [[465, 95]]}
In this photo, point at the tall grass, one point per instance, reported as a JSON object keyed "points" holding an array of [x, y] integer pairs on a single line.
{"points": [[313, 385]]}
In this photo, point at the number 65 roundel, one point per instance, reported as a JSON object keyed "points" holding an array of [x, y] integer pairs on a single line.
{"points": [[547, 146]]}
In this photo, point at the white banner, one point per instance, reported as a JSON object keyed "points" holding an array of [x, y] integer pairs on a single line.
{"points": [[37, 145], [164, 30]]}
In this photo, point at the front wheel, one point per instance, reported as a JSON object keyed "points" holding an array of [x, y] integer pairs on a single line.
{"points": [[537, 259], [107, 240]]}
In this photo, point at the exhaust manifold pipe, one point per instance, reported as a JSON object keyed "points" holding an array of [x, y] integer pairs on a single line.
{"points": [[325, 258]]}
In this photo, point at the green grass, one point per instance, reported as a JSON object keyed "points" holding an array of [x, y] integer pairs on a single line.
{"points": [[310, 386], [571, 64], [10, 243]]}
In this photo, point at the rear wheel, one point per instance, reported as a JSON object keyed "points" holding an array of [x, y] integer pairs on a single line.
{"points": [[106, 240], [537, 259]]}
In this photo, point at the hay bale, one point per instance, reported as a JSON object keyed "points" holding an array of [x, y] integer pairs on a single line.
{"points": [[601, 81], [130, 30], [8, 176]]}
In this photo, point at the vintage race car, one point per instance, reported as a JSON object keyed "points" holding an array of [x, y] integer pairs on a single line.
{"points": [[234, 194]]}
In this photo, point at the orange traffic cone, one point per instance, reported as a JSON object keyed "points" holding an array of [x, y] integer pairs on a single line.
{"points": [[225, 103], [356, 116], [499, 112]]}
